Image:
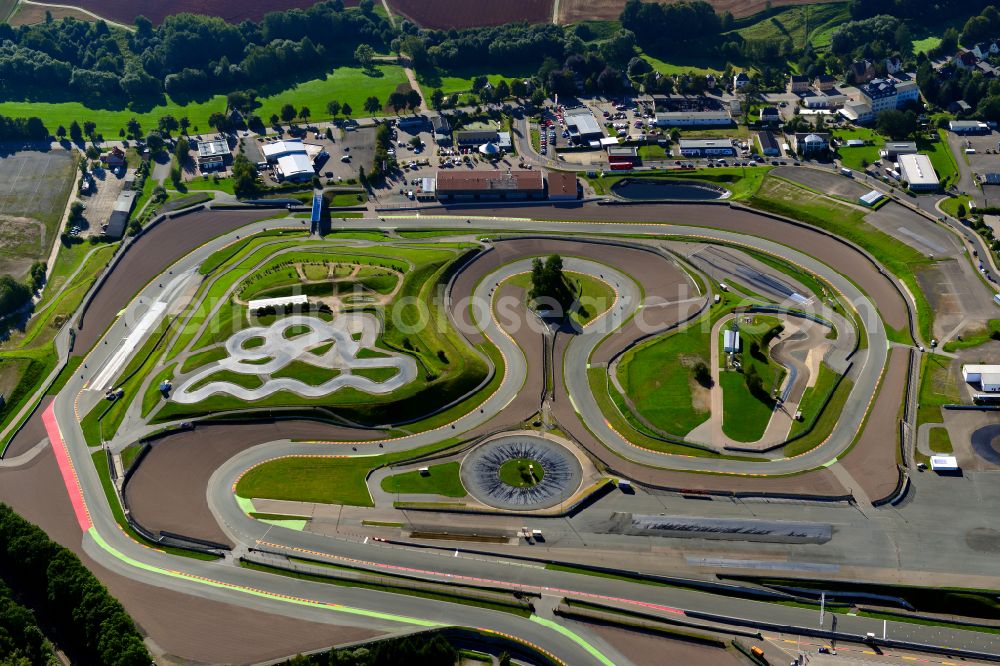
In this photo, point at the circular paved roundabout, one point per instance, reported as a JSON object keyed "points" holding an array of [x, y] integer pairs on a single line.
{"points": [[521, 472]]}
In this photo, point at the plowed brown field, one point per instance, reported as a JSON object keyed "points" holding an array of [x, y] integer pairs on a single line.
{"points": [[571, 11], [234, 11], [444, 14]]}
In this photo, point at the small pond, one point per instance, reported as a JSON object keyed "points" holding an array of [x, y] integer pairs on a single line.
{"points": [[648, 189]]}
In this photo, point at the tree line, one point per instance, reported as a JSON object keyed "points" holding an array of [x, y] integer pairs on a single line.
{"points": [[186, 55], [924, 12], [73, 607]]}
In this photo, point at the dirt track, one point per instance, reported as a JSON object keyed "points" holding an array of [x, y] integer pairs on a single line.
{"points": [[167, 491], [150, 256], [838, 256], [872, 461], [186, 626]]}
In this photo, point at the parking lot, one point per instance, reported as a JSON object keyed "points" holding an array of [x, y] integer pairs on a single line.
{"points": [[101, 203], [425, 160], [986, 158]]}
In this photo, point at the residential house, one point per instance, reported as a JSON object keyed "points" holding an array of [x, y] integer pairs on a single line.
{"points": [[893, 65], [961, 106], [770, 115], [741, 81], [861, 71], [810, 144], [965, 59], [114, 158], [825, 83], [986, 69], [441, 129], [798, 84], [768, 144], [986, 49]]}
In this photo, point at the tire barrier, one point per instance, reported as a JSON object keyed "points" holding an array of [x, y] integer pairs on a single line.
{"points": [[559, 478]]}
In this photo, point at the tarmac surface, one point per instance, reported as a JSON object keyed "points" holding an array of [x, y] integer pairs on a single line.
{"points": [[559, 476], [31, 433], [830, 182], [167, 492], [872, 460], [278, 350], [832, 252], [984, 443], [183, 625], [646, 649], [150, 255], [355, 606]]}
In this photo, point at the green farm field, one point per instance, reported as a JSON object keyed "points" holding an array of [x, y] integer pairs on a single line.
{"points": [[809, 24], [345, 84]]}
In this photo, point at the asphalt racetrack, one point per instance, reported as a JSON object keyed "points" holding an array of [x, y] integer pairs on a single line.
{"points": [[149, 256], [185, 482]]}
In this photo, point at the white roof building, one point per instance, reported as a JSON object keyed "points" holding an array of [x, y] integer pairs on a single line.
{"points": [[295, 167], [944, 463], [730, 341], [918, 171], [582, 123], [824, 101], [693, 119], [871, 198], [968, 126], [857, 111], [277, 149], [257, 304], [987, 376]]}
